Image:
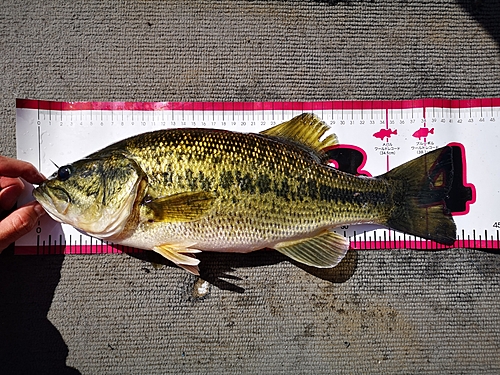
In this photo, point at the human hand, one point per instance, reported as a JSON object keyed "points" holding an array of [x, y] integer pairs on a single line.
{"points": [[23, 219]]}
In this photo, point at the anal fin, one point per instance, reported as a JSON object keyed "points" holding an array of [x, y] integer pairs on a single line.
{"points": [[325, 250], [181, 256]]}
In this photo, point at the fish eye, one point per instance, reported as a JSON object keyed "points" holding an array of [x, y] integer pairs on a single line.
{"points": [[64, 173]]}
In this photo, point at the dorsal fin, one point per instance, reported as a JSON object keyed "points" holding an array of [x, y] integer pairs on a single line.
{"points": [[305, 129]]}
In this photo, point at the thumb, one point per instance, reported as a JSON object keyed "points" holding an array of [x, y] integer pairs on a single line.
{"points": [[19, 223]]}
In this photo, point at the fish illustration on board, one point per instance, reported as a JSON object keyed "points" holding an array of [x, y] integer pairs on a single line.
{"points": [[385, 133], [423, 133]]}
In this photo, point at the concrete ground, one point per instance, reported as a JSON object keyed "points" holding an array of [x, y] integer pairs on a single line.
{"points": [[390, 312]]}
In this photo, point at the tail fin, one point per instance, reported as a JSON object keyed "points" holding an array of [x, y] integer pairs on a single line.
{"points": [[419, 189]]}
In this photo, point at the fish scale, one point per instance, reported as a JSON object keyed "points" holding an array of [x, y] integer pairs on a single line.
{"points": [[252, 156]]}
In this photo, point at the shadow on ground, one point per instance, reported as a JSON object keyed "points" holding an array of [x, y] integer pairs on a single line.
{"points": [[218, 268], [29, 343], [485, 12]]}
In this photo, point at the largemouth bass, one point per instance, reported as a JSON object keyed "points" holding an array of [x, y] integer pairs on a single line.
{"points": [[181, 191]]}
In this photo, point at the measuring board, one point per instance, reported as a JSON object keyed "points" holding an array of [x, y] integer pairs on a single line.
{"points": [[380, 134]]}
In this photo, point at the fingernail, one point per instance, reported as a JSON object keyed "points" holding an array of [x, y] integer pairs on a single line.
{"points": [[39, 209], [41, 177]]}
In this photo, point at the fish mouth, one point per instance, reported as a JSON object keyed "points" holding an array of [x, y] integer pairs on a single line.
{"points": [[54, 200]]}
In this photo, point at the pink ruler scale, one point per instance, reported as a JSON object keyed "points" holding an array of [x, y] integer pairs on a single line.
{"points": [[383, 133]]}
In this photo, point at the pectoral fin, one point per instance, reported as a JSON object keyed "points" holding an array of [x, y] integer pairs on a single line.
{"points": [[325, 250], [181, 256], [183, 207]]}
